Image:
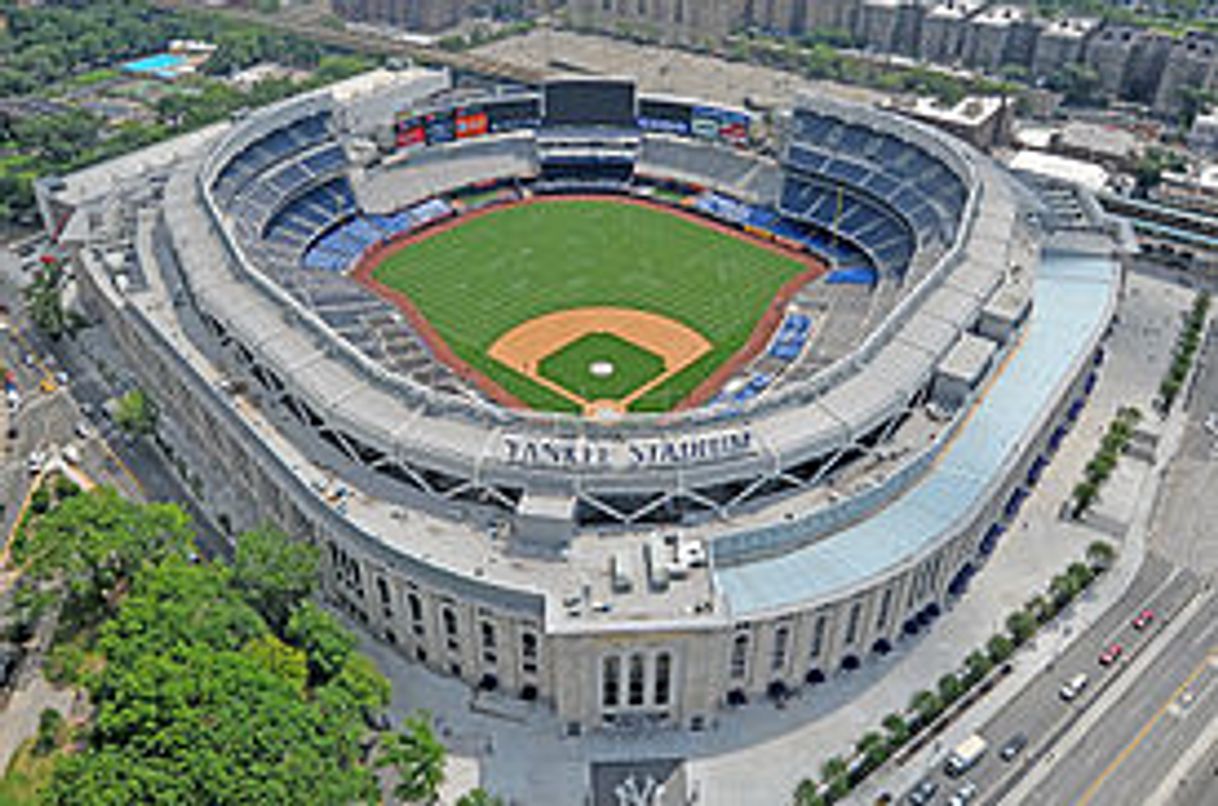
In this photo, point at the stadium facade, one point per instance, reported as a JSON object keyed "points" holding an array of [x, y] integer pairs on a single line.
{"points": [[829, 503]]}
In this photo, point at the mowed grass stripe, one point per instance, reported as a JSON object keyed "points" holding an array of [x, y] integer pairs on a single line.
{"points": [[478, 280]]}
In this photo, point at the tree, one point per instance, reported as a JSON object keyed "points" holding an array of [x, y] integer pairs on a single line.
{"points": [[897, 728], [480, 797], [93, 543], [197, 702], [326, 643], [950, 689], [50, 722], [1085, 493], [978, 665], [1080, 575], [1000, 648], [1078, 83], [285, 661], [418, 758], [926, 704], [136, 413], [807, 793], [1101, 554], [1062, 589], [44, 301], [1022, 625], [274, 574], [833, 767]]}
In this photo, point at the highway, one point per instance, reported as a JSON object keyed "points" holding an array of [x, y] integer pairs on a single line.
{"points": [[1039, 713], [1123, 757]]}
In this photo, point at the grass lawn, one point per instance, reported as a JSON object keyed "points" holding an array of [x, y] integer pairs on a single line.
{"points": [[570, 367], [27, 777], [480, 279]]}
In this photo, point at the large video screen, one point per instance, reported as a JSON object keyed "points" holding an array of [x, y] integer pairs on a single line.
{"points": [[665, 116], [409, 132], [440, 128], [727, 125], [470, 121], [512, 115], [590, 102]]}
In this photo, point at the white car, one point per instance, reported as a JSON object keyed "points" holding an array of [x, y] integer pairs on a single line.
{"points": [[71, 454], [964, 795], [1073, 687], [82, 430], [36, 461]]}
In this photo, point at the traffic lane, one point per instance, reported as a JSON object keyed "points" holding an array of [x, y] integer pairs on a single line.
{"points": [[1200, 784], [1040, 712], [1141, 772], [1123, 727], [1036, 708]]}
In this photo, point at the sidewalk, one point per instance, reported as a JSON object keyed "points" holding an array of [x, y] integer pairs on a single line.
{"points": [[1030, 662]]}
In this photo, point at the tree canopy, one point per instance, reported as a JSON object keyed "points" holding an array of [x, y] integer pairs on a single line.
{"points": [[197, 697], [274, 574]]}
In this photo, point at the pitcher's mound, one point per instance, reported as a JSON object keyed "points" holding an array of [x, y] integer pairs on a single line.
{"points": [[601, 369]]}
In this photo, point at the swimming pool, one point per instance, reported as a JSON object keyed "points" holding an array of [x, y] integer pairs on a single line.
{"points": [[160, 64]]}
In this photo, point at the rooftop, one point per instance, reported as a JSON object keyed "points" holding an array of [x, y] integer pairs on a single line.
{"points": [[1072, 296]]}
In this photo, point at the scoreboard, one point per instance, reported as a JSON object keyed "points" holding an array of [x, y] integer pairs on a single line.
{"points": [[417, 129], [714, 123]]}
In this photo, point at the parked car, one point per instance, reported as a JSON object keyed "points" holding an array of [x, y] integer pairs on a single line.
{"points": [[1144, 619], [1111, 655]]}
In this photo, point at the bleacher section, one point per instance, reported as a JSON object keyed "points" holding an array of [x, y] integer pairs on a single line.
{"points": [[835, 251], [308, 215], [260, 155], [844, 215], [887, 182], [717, 167], [338, 248], [791, 337], [436, 170]]}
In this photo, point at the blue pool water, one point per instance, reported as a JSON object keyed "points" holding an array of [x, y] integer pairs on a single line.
{"points": [[159, 64]]}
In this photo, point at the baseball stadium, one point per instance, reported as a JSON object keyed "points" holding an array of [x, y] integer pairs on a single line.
{"points": [[624, 407]]}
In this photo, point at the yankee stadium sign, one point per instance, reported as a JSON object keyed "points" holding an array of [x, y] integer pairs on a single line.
{"points": [[585, 454]]}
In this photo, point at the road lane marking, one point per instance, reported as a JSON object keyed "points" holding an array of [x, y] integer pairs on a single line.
{"points": [[1121, 757]]}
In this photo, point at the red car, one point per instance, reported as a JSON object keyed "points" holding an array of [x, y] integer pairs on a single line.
{"points": [[1110, 655], [1143, 619]]}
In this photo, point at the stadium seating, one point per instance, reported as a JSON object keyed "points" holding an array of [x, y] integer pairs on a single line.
{"points": [[880, 171], [791, 337], [841, 214], [260, 155], [341, 245]]}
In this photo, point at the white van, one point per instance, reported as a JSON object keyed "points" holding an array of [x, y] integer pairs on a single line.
{"points": [[965, 756]]}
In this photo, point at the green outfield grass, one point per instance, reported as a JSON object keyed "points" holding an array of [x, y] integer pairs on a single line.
{"points": [[478, 280]]}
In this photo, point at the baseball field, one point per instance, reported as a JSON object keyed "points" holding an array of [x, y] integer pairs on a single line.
{"points": [[579, 304]]}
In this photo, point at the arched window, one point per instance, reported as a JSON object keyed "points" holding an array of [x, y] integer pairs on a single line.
{"points": [[740, 654], [611, 681], [782, 636], [663, 689], [637, 675]]}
